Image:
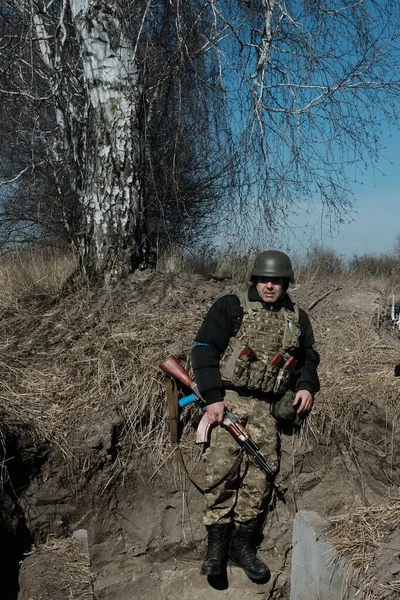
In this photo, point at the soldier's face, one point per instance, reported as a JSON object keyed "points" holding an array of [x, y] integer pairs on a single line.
{"points": [[270, 289]]}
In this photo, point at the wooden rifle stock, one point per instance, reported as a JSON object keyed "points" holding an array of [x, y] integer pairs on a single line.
{"points": [[172, 367]]}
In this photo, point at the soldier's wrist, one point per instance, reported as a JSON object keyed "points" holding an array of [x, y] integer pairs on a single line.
{"points": [[212, 396]]}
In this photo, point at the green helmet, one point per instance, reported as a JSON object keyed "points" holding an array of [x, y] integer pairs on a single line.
{"points": [[273, 263]]}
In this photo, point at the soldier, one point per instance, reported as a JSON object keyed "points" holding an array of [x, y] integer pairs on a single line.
{"points": [[264, 321]]}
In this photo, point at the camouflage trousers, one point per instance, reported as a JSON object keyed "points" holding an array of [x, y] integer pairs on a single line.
{"points": [[244, 495]]}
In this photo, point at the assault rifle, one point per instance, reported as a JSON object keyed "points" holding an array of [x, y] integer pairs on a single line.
{"points": [[231, 422]]}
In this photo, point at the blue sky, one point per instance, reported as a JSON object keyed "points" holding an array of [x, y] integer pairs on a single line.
{"points": [[371, 227], [376, 216]]}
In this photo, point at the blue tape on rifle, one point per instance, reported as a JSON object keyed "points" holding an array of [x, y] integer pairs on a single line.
{"points": [[187, 400]]}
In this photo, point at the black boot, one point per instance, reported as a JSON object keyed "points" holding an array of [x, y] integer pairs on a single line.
{"points": [[242, 553], [217, 549]]}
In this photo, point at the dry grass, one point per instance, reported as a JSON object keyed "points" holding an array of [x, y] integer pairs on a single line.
{"points": [[320, 263], [356, 372], [89, 363], [80, 365], [32, 272], [358, 537], [207, 261], [65, 568]]}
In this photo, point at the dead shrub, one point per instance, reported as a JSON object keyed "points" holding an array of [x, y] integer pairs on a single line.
{"points": [[319, 263], [369, 265], [174, 259]]}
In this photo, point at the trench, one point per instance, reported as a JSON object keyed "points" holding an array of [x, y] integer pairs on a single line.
{"points": [[17, 467]]}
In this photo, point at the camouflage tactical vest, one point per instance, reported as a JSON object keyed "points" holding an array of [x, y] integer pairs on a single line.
{"points": [[265, 333]]}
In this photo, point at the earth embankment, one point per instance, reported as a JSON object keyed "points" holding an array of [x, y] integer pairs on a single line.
{"points": [[85, 433]]}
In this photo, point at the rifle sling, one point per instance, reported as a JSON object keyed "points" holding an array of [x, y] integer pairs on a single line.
{"points": [[173, 409]]}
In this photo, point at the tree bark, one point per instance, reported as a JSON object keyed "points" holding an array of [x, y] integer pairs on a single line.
{"points": [[112, 240]]}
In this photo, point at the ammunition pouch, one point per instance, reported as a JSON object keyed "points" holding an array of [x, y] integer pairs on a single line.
{"points": [[283, 410], [243, 369]]}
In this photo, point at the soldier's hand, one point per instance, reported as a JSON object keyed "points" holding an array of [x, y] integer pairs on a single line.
{"points": [[303, 401], [216, 411]]}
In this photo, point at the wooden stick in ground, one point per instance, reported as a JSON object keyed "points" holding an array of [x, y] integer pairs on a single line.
{"points": [[338, 287]]}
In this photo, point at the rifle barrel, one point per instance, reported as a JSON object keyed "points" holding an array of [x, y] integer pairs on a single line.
{"points": [[257, 458]]}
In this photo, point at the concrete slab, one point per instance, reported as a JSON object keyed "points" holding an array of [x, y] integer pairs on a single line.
{"points": [[317, 572]]}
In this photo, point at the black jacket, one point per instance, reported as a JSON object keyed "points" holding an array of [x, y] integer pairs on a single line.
{"points": [[223, 321]]}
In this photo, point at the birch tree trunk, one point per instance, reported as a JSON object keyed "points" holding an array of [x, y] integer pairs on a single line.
{"points": [[112, 241]]}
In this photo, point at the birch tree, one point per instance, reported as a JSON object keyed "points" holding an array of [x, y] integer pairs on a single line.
{"points": [[86, 66], [103, 139], [111, 197], [274, 101], [122, 142]]}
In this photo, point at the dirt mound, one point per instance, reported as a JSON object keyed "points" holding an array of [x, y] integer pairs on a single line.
{"points": [[82, 401]]}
